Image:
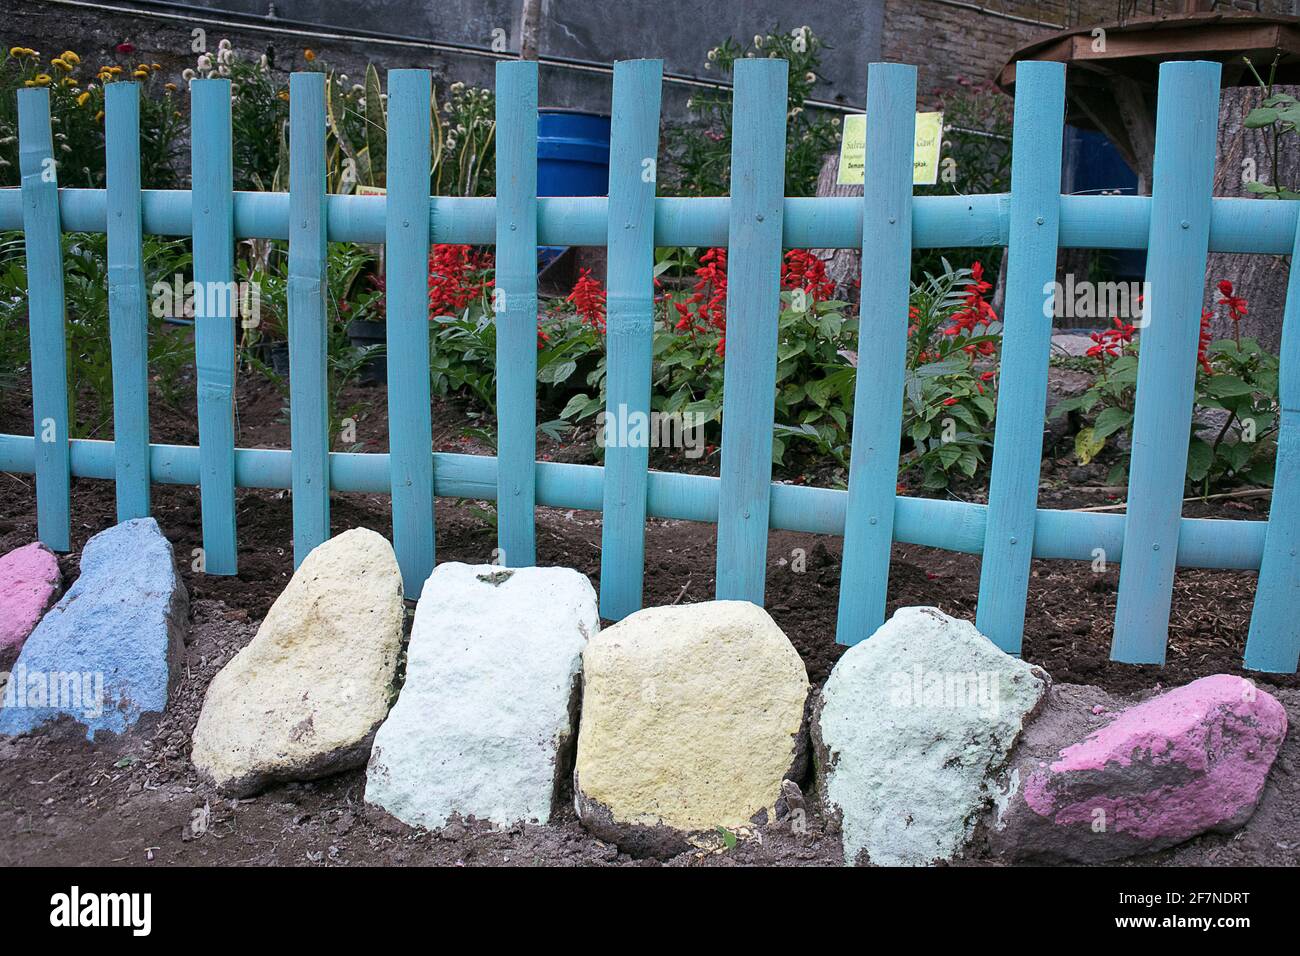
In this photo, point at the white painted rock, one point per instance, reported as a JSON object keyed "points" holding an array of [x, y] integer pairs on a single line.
{"points": [[484, 723], [304, 698], [908, 731], [691, 718]]}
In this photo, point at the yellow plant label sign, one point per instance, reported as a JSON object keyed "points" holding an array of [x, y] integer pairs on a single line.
{"points": [[364, 190], [925, 165]]}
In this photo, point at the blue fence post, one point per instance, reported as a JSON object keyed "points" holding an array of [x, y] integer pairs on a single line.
{"points": [[515, 305], [878, 394], [406, 238], [629, 330], [1274, 640], [308, 314], [44, 247], [214, 317], [1026, 351], [753, 310], [1187, 120], [127, 306]]}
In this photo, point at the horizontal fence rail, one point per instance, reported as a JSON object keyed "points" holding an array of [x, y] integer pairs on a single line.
{"points": [[938, 222], [1178, 226]]}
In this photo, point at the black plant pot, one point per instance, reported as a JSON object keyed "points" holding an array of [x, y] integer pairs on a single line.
{"points": [[274, 355], [363, 333]]}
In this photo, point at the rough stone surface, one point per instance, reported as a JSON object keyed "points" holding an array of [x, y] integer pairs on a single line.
{"points": [[692, 716], [484, 724], [109, 650], [1188, 761], [304, 697], [908, 731], [29, 583]]}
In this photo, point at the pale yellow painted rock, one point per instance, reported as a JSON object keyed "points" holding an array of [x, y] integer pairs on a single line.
{"points": [[691, 717], [305, 697]]}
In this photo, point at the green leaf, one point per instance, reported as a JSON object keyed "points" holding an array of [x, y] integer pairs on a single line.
{"points": [[1087, 445], [1110, 421], [1260, 117], [556, 372], [1199, 458], [575, 406]]}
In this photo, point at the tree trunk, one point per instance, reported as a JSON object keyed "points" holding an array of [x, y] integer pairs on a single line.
{"points": [[1260, 279], [843, 266]]}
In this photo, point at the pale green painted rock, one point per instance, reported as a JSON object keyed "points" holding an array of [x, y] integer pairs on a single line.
{"points": [[909, 731]]}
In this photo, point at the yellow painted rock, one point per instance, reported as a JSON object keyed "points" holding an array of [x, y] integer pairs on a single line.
{"points": [[691, 718], [305, 697]]}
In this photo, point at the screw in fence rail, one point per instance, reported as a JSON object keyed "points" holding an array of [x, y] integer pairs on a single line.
{"points": [[754, 236], [629, 330], [515, 308], [1273, 643], [406, 258], [127, 306], [1026, 349], [213, 228], [878, 395], [45, 312], [1187, 118], [308, 315]]}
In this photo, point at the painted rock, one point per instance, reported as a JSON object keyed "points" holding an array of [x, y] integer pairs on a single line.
{"points": [[692, 716], [303, 699], [909, 730], [29, 583], [1191, 760], [485, 721], [111, 648]]}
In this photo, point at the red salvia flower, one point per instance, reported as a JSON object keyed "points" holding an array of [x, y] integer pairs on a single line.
{"points": [[588, 298], [1235, 303], [803, 270]]}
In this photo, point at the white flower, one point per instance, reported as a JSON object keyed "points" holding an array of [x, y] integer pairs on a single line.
{"points": [[187, 74], [224, 44], [758, 41], [713, 53], [810, 77], [225, 56], [265, 64], [835, 121], [205, 62], [457, 86]]}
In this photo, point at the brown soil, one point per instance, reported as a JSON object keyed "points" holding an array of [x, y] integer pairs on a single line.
{"points": [[132, 800]]}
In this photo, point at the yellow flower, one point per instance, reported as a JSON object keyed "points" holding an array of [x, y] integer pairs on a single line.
{"points": [[28, 83], [22, 51], [71, 57], [170, 86], [156, 66], [284, 95], [42, 79], [69, 81], [114, 70], [140, 73], [81, 100], [62, 64], [309, 55], [99, 117], [142, 66]]}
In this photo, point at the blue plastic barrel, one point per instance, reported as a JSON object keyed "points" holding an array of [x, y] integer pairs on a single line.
{"points": [[572, 153]]}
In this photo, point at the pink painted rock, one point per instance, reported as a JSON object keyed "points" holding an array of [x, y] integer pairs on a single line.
{"points": [[29, 584], [1191, 760]]}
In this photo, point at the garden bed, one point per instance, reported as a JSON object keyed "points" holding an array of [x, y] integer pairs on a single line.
{"points": [[132, 800]]}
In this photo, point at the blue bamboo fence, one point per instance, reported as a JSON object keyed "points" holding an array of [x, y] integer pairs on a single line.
{"points": [[1178, 225]]}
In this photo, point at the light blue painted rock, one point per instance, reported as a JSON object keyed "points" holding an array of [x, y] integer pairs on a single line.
{"points": [[109, 650]]}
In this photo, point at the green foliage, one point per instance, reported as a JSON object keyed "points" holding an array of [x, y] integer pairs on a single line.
{"points": [[1279, 114], [701, 149], [948, 388], [1241, 382], [89, 357]]}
